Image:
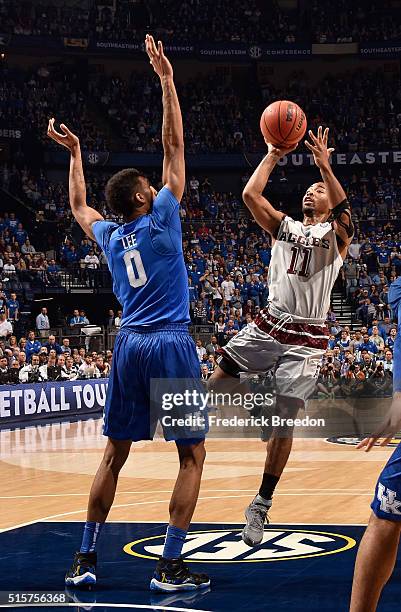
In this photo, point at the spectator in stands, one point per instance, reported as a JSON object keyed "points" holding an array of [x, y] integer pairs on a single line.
{"points": [[102, 366], [27, 248], [13, 307], [350, 274], [227, 287], [6, 329], [22, 360], [84, 318], [43, 356], [377, 339], [391, 338], [42, 322], [32, 346], [60, 363], [76, 318], [205, 372], [200, 314], [70, 368], [13, 373], [368, 364], [200, 350], [88, 369], [91, 265], [368, 346], [110, 319], [3, 302], [118, 319], [366, 312], [50, 371], [65, 346], [51, 344], [212, 346], [4, 373], [31, 372]]}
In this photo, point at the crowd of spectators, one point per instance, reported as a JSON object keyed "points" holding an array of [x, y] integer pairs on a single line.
{"points": [[353, 21], [35, 359], [218, 117], [371, 98], [28, 98], [193, 21]]}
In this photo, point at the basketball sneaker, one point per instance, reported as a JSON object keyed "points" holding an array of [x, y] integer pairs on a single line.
{"points": [[174, 575], [83, 570], [256, 516]]}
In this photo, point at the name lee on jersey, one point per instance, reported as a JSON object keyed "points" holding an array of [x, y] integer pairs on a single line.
{"points": [[129, 242]]}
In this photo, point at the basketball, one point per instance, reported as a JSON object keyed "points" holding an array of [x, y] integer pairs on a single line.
{"points": [[283, 123]]}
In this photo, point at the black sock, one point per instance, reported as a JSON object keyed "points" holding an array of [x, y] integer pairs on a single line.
{"points": [[268, 485]]}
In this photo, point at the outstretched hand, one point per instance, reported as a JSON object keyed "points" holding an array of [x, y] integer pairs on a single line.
{"points": [[158, 60], [321, 154], [385, 432], [67, 138]]}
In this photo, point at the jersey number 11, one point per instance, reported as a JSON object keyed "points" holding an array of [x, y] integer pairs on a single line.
{"points": [[300, 261]]}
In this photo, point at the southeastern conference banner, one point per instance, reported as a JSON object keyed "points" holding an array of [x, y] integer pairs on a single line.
{"points": [[230, 160], [32, 402], [218, 51], [380, 49]]}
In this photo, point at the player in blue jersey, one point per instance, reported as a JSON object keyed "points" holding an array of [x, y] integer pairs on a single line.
{"points": [[146, 261], [378, 548]]}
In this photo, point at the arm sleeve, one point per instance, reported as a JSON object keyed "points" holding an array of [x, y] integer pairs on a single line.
{"points": [[337, 210], [102, 231]]}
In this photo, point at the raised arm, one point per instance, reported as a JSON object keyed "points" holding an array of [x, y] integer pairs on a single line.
{"points": [[172, 130], [84, 214], [262, 211], [339, 205]]}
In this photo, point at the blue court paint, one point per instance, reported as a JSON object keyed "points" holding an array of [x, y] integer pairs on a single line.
{"points": [[298, 567]]}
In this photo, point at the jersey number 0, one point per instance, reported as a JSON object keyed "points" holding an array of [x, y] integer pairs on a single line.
{"points": [[135, 270]]}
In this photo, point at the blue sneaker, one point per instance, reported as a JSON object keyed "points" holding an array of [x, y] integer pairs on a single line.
{"points": [[174, 575], [83, 571]]}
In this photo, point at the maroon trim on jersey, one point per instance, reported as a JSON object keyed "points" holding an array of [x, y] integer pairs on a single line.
{"points": [[266, 322]]}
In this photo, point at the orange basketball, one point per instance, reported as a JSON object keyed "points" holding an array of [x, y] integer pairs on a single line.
{"points": [[283, 123]]}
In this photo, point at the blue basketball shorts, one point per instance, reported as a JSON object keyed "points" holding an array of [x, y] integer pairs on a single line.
{"points": [[163, 355], [387, 501]]}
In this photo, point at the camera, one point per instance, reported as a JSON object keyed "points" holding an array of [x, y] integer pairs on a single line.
{"points": [[34, 375]]}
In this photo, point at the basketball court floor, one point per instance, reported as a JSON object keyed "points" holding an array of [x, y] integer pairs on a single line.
{"points": [[304, 563]]}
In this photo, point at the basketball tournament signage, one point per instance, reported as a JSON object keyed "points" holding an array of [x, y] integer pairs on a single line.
{"points": [[218, 51], [96, 158], [229, 160], [380, 49], [31, 402], [344, 159], [10, 133], [124, 46]]}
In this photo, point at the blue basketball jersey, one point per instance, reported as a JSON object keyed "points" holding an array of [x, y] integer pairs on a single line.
{"points": [[146, 262]]}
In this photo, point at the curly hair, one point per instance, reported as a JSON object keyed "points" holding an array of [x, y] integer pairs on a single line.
{"points": [[120, 190]]}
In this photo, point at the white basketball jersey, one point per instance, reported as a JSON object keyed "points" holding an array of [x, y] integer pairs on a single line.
{"points": [[305, 262]]}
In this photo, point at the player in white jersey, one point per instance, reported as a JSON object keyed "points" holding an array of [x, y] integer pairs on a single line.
{"points": [[290, 334]]}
